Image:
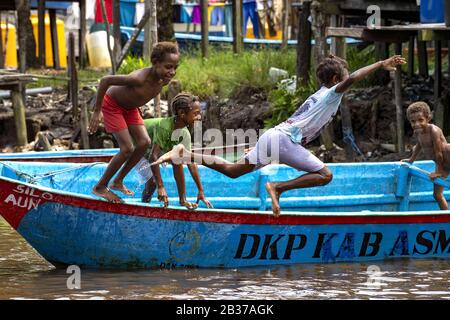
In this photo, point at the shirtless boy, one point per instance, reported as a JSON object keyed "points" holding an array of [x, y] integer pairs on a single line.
{"points": [[431, 141], [118, 99]]}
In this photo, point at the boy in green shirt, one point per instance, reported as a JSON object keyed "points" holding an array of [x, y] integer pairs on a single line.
{"points": [[165, 133]]}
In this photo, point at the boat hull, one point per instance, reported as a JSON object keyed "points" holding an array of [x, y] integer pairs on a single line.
{"points": [[71, 229]]}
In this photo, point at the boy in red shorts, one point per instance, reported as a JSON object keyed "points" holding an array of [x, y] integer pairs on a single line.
{"points": [[118, 99]]}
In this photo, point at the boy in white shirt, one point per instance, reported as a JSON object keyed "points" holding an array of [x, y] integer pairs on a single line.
{"points": [[284, 143]]}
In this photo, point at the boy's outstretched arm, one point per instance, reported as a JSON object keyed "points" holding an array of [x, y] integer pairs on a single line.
{"points": [[193, 169], [388, 64]]}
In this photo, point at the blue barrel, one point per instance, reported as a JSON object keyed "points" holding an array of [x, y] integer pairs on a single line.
{"points": [[432, 11]]}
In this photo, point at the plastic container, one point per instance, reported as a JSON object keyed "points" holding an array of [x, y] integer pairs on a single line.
{"points": [[432, 11], [97, 48], [48, 42], [11, 46]]}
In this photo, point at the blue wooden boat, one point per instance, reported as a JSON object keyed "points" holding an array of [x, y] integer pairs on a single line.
{"points": [[79, 156], [104, 155], [369, 212]]}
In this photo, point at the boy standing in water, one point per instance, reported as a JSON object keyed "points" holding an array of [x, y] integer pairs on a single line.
{"points": [[431, 141], [165, 133], [118, 99], [290, 136]]}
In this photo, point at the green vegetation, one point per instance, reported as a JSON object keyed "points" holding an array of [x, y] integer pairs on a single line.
{"points": [[284, 103], [223, 72]]}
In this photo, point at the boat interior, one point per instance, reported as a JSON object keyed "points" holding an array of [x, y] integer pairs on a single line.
{"points": [[388, 186]]}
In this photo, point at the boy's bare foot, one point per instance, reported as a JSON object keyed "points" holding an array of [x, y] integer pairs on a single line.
{"points": [[275, 196], [121, 187], [189, 205], [175, 155], [106, 194]]}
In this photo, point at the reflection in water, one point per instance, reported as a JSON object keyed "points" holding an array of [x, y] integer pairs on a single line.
{"points": [[26, 275]]}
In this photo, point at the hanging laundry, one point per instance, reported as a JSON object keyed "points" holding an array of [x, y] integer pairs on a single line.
{"points": [[186, 12], [216, 13], [266, 13], [249, 10], [98, 11]]}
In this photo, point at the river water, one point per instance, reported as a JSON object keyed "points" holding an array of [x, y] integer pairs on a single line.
{"points": [[26, 275]]}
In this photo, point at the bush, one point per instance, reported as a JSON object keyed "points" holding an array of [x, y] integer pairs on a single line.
{"points": [[284, 103]]}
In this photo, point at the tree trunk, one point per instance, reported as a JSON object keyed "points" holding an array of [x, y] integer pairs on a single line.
{"points": [[165, 19], [304, 45], [205, 28], [116, 30], [24, 22], [155, 14], [151, 28], [285, 24], [237, 26], [318, 27]]}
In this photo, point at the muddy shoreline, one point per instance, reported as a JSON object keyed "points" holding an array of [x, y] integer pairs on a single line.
{"points": [[50, 124]]}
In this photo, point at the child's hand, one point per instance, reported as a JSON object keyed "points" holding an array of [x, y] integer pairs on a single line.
{"points": [[93, 124], [389, 64], [406, 160], [162, 196], [201, 197], [435, 175]]}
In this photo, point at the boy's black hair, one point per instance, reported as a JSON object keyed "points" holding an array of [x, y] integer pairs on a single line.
{"points": [[161, 48], [330, 67], [418, 106], [183, 101]]}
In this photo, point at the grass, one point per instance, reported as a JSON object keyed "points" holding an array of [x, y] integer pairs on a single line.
{"points": [[223, 71]]}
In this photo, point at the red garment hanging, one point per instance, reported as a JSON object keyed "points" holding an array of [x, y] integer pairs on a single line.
{"points": [[98, 11]]}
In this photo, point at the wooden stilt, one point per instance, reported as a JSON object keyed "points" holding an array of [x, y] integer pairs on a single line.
{"points": [[304, 45], [116, 30], [41, 31], [2, 57], [54, 36], [285, 24], [73, 79], [399, 103], [205, 27], [111, 54], [411, 57], [237, 26], [19, 115], [423, 58], [82, 35], [22, 34], [438, 106]]}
